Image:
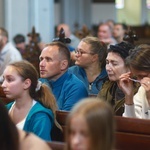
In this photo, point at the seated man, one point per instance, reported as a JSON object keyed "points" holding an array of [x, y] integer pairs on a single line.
{"points": [[8, 53], [119, 32], [20, 43], [105, 34], [54, 63]]}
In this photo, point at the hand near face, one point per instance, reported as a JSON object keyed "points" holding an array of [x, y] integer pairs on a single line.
{"points": [[145, 82], [126, 85]]}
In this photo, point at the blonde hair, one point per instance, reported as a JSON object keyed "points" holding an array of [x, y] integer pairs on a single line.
{"points": [[100, 121], [97, 47]]}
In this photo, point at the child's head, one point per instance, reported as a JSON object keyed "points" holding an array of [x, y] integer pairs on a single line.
{"points": [[90, 126], [21, 73]]}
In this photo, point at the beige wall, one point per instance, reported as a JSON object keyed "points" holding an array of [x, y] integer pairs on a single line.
{"points": [[131, 13]]}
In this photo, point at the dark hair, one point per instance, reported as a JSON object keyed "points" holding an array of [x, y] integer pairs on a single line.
{"points": [[122, 49], [9, 136], [63, 50], [19, 38], [124, 26], [139, 58]]}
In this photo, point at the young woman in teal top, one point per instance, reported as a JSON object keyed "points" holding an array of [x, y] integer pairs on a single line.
{"points": [[34, 107]]}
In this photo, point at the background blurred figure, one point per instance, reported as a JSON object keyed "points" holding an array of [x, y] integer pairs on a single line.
{"points": [[115, 66], [139, 62], [34, 106], [8, 53], [74, 40], [111, 23], [90, 126], [119, 32], [90, 64], [20, 43], [13, 139], [105, 34]]}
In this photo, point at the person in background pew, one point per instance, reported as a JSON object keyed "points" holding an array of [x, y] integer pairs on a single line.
{"points": [[119, 32], [104, 34], [90, 64], [74, 40], [8, 52], [54, 63], [12, 138], [90, 126], [34, 107], [137, 105], [115, 66], [20, 43]]}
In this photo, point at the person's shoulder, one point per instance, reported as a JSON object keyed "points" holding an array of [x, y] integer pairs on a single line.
{"points": [[31, 142], [39, 109], [75, 70], [8, 106], [75, 67], [75, 82]]}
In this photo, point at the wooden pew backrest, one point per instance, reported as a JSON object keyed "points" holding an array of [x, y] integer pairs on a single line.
{"points": [[131, 133], [132, 125], [54, 145]]}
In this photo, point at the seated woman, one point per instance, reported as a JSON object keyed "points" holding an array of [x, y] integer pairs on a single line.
{"points": [[34, 107], [115, 66], [13, 139], [138, 105], [90, 126], [90, 64]]}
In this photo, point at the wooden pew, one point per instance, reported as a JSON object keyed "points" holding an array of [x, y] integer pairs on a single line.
{"points": [[131, 133], [56, 145], [57, 134], [132, 125]]}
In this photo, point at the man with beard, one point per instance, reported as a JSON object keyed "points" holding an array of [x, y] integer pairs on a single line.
{"points": [[8, 53]]}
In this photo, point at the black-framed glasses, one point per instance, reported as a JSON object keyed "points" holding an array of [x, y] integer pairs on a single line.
{"points": [[79, 52]]}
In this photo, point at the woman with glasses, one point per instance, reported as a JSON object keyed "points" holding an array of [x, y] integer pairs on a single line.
{"points": [[90, 64], [138, 105]]}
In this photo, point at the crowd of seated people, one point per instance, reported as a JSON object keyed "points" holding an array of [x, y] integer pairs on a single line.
{"points": [[116, 72]]}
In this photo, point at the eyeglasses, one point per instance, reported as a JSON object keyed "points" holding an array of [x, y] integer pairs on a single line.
{"points": [[134, 80], [82, 52]]}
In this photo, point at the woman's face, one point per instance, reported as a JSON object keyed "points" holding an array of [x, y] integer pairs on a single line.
{"points": [[79, 137], [83, 56], [115, 66], [139, 74], [13, 86]]}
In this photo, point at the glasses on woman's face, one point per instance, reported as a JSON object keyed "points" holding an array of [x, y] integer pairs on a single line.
{"points": [[79, 52]]}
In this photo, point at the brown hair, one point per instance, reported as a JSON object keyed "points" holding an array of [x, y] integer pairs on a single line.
{"points": [[97, 47], [27, 71], [139, 58], [100, 120]]}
